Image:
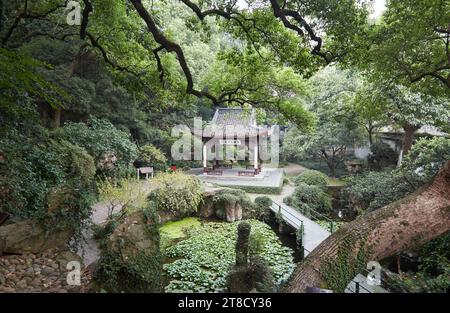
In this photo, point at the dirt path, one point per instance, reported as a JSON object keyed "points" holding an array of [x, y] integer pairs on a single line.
{"points": [[293, 169]]}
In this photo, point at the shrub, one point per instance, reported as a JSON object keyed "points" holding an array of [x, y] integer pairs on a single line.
{"points": [[149, 155], [261, 207], [176, 193], [381, 156], [313, 178], [426, 157], [111, 148], [312, 196], [50, 181], [287, 200], [374, 190], [127, 194]]}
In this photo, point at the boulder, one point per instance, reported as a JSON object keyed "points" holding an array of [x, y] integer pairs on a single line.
{"points": [[131, 260], [206, 209], [64, 257], [29, 237], [132, 237]]}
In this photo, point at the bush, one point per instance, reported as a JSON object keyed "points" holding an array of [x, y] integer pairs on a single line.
{"points": [[425, 158], [313, 178], [127, 194], [287, 200], [374, 190], [176, 193], [111, 148], [311, 196], [46, 180], [149, 155], [381, 156], [261, 208]]}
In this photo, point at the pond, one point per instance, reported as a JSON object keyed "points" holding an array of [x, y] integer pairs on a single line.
{"points": [[199, 260]]}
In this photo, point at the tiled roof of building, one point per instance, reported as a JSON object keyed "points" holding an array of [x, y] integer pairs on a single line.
{"points": [[234, 116], [427, 129]]}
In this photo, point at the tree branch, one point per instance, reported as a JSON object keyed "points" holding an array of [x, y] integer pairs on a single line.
{"points": [[171, 47], [84, 22]]}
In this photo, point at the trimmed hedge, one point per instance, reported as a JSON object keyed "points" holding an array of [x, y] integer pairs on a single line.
{"points": [[257, 189]]}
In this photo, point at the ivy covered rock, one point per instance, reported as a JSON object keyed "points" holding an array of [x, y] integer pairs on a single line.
{"points": [[231, 203], [131, 261]]}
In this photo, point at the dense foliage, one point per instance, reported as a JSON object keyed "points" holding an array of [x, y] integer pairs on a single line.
{"points": [[203, 260], [261, 208], [149, 155], [433, 271], [176, 193], [111, 148], [312, 177], [43, 178], [311, 197], [373, 190]]}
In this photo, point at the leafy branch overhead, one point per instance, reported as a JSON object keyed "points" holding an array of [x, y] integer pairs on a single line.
{"points": [[287, 34]]}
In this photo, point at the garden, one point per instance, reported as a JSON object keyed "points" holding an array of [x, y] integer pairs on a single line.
{"points": [[94, 95]]}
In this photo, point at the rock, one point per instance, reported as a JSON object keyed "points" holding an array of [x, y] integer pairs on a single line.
{"points": [[2, 279], [7, 289], [21, 284], [132, 237], [54, 265], [206, 209], [233, 213], [29, 272], [47, 270], [64, 257], [28, 236]]}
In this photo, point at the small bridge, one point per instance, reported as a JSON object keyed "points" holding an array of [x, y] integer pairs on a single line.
{"points": [[314, 234]]}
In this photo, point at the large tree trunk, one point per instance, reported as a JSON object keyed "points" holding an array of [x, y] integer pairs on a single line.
{"points": [[404, 224], [408, 137]]}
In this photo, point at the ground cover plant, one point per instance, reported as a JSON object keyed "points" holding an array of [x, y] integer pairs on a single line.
{"points": [[203, 260]]}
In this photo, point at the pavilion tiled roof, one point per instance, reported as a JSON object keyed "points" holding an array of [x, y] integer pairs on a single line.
{"points": [[234, 116]]}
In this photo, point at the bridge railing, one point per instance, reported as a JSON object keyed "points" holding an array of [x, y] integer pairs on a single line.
{"points": [[310, 213]]}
